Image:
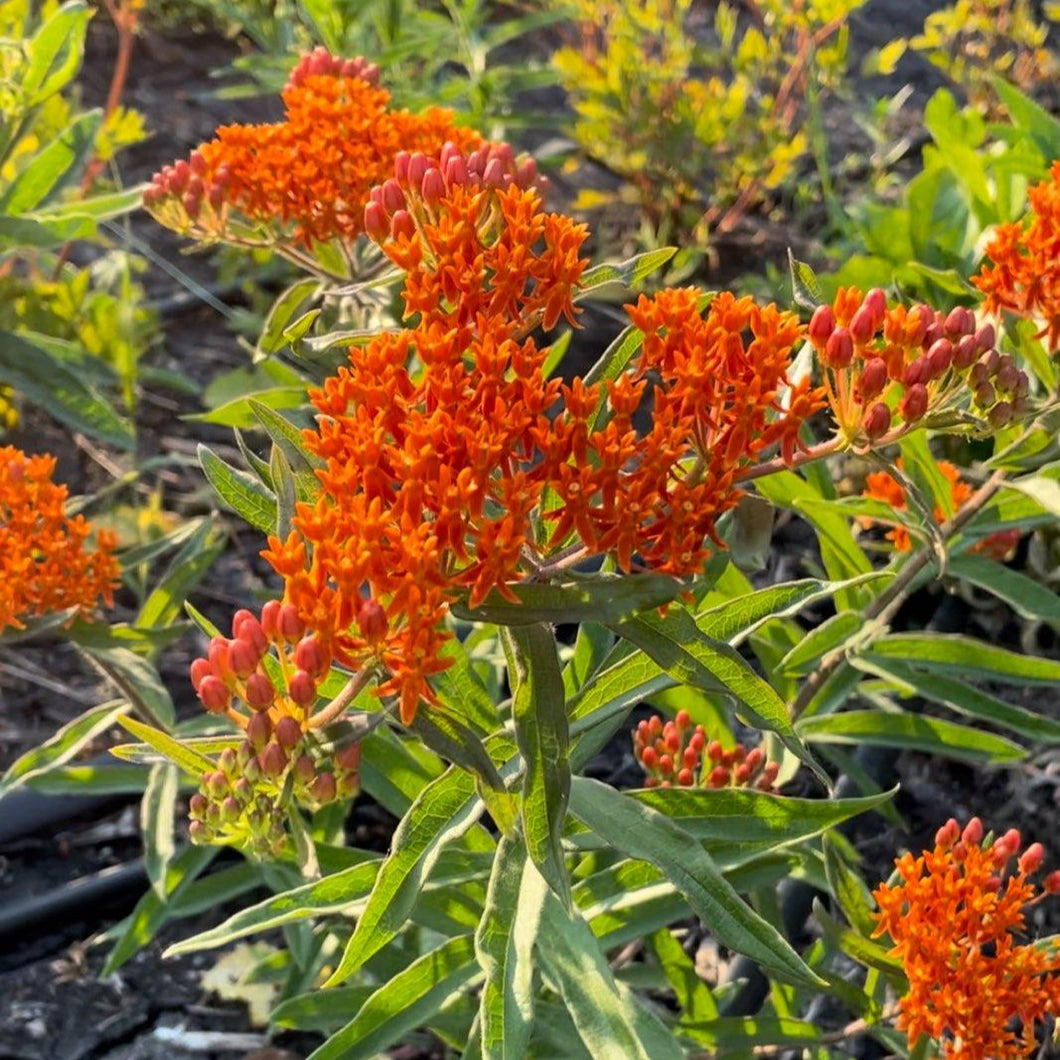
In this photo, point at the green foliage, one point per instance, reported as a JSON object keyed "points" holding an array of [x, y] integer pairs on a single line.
{"points": [[691, 120]]}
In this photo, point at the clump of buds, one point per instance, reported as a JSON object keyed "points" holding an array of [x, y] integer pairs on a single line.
{"points": [[886, 369], [1003, 850], [321, 63], [420, 183], [265, 678], [675, 754]]}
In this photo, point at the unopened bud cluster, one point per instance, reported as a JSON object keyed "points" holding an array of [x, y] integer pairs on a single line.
{"points": [[420, 183], [266, 677], [675, 754], [321, 63], [1004, 851], [889, 368]]}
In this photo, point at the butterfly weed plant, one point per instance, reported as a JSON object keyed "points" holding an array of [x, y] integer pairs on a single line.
{"points": [[447, 502]]}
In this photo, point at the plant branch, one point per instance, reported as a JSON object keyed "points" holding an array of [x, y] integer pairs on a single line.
{"points": [[886, 605], [350, 691]]}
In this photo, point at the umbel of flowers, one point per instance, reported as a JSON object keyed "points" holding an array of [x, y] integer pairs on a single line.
{"points": [[1023, 272], [46, 562], [955, 915]]}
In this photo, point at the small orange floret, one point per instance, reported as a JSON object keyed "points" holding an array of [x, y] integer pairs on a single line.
{"points": [[954, 917], [45, 562], [882, 486], [1023, 274]]}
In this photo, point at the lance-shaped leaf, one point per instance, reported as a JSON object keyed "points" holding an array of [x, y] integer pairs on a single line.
{"points": [[573, 961], [676, 644], [504, 943], [136, 679], [642, 832], [965, 656], [627, 273], [539, 711], [404, 1003], [158, 811], [444, 810], [243, 493], [600, 599], [61, 747], [963, 698], [190, 760], [1024, 595], [911, 731]]}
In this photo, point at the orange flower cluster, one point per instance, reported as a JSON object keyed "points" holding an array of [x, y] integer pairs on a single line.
{"points": [[954, 918], [882, 486], [1024, 274], [307, 177], [721, 395], [675, 754], [45, 564], [915, 361], [470, 234], [242, 801]]}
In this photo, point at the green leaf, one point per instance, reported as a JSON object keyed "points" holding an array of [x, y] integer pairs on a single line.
{"points": [[45, 381], [1044, 129], [91, 780], [162, 607], [693, 996], [444, 810], [16, 232], [240, 491], [627, 273], [286, 495], [826, 637], [282, 313], [766, 1032], [461, 691], [599, 599], [52, 166], [191, 761], [805, 287], [504, 943], [1024, 595], [849, 889], [676, 644], [157, 818], [286, 435], [573, 961], [1042, 487], [909, 731], [540, 716], [964, 656], [137, 680], [323, 1011], [96, 207], [963, 698], [55, 52], [642, 832], [64, 745], [151, 912], [239, 411], [404, 1003], [341, 892], [611, 364], [738, 824]]}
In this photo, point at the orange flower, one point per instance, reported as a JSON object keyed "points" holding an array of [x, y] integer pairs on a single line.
{"points": [[882, 486], [307, 177], [45, 565], [716, 404], [1024, 276], [471, 236], [954, 918], [885, 369]]}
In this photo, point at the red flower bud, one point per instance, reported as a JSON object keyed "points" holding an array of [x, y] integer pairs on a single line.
{"points": [[197, 805], [273, 760], [873, 378], [310, 656], [493, 174], [863, 325], [961, 321], [243, 658], [973, 832], [1008, 844], [214, 694], [371, 621], [754, 758], [418, 165], [304, 769], [349, 758], [1051, 883], [876, 303], [302, 689], [684, 778], [323, 788], [375, 222], [985, 336], [939, 358], [1001, 415], [914, 404], [393, 197], [200, 670], [401, 166], [455, 171], [402, 225], [1008, 378], [715, 751], [218, 654], [259, 691], [259, 730], [683, 719], [917, 372], [719, 777], [270, 619], [288, 732], [666, 764], [965, 353], [877, 421], [839, 349], [1032, 858], [289, 624], [743, 773], [822, 324], [650, 758], [984, 395], [433, 187]]}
